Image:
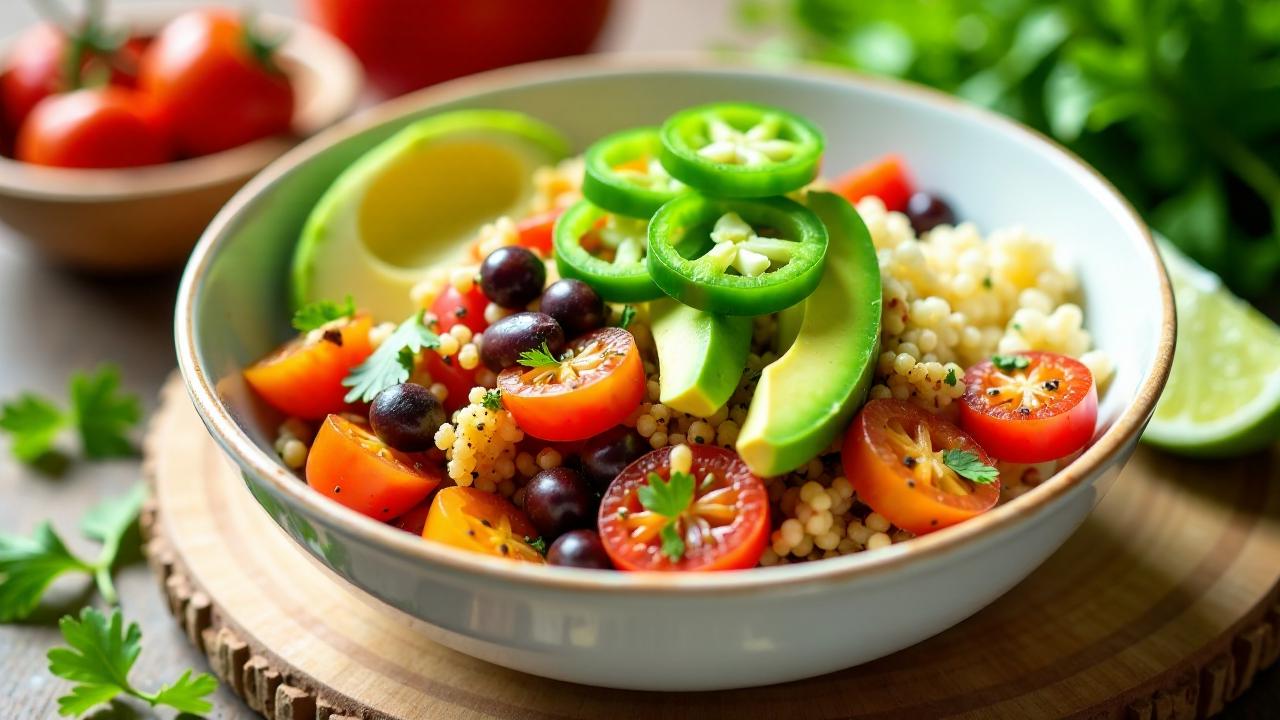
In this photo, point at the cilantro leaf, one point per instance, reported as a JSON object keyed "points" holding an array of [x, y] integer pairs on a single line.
{"points": [[1009, 363], [317, 314], [34, 423], [492, 400], [538, 357], [628, 316], [669, 499], [109, 522], [392, 363], [28, 566], [100, 653], [103, 415], [968, 465], [539, 543], [950, 379]]}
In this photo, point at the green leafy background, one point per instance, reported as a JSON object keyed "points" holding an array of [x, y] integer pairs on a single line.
{"points": [[1177, 102]]}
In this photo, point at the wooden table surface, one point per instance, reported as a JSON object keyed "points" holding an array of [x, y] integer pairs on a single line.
{"points": [[53, 323]]}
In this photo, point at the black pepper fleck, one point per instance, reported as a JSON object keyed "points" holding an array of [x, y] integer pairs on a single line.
{"points": [[909, 461], [334, 337]]}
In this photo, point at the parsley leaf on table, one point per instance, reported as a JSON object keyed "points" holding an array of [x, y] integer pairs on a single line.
{"points": [[100, 414], [29, 565], [320, 313], [968, 465], [392, 363], [668, 498], [538, 357], [101, 651]]}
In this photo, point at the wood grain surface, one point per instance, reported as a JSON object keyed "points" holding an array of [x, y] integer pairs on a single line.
{"points": [[1164, 605]]}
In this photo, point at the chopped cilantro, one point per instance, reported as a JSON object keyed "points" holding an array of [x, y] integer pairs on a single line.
{"points": [[1009, 363], [392, 363], [968, 465], [100, 414], [950, 379], [492, 400], [317, 314], [627, 317], [670, 499], [537, 543], [538, 357]]}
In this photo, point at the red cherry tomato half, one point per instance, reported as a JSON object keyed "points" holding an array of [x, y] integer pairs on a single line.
{"points": [[351, 466], [452, 307], [894, 456], [304, 378], [598, 384], [456, 379], [215, 83], [885, 178], [1045, 410], [536, 231], [101, 128], [724, 527]]}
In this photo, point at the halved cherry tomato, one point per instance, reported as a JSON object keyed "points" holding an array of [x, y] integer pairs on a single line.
{"points": [[894, 456], [107, 127], [482, 522], [456, 379], [414, 521], [350, 465], [536, 231], [595, 387], [725, 526], [1043, 411], [304, 378], [885, 178], [452, 307]]}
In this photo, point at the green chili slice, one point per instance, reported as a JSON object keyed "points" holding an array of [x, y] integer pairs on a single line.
{"points": [[736, 257], [623, 174], [738, 150], [605, 251]]}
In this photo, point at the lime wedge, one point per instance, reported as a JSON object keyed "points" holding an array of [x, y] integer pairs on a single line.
{"points": [[1223, 394]]}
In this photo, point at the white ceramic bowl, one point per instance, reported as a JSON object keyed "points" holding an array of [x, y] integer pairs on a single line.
{"points": [[695, 631]]}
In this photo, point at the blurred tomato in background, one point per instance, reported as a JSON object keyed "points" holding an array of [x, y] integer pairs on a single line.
{"points": [[409, 44]]}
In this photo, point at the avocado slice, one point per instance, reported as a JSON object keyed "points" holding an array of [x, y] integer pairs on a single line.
{"points": [[806, 397], [414, 201], [789, 321], [700, 356]]}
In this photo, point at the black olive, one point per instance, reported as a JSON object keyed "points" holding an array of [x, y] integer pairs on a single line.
{"points": [[406, 417], [506, 339], [574, 305], [927, 211], [512, 276], [559, 500], [580, 549]]}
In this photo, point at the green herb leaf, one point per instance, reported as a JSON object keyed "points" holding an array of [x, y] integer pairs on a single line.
{"points": [[627, 317], [492, 400], [28, 566], [34, 423], [100, 653], [538, 357], [317, 314], [950, 379], [109, 522], [392, 363], [670, 499], [1009, 363], [968, 465], [672, 543], [103, 415], [538, 543]]}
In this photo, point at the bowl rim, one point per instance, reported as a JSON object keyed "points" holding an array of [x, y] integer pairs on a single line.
{"points": [[304, 46], [441, 558]]}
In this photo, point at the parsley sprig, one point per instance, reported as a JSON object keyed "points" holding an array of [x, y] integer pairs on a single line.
{"points": [[1009, 363], [968, 465], [100, 653], [492, 400], [100, 414], [392, 363], [29, 565], [318, 314], [670, 499], [539, 357]]}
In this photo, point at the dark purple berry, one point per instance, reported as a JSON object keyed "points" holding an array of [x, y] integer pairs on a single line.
{"points": [[512, 276], [573, 304], [406, 417], [580, 549], [927, 211]]}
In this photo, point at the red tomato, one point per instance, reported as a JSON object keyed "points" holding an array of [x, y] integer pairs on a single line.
{"points": [[304, 378], [1043, 411], [36, 67], [415, 520], [894, 455], [409, 44], [457, 379], [535, 231], [213, 87], [452, 307], [724, 527], [350, 465], [595, 388], [102, 128], [481, 522], [885, 178]]}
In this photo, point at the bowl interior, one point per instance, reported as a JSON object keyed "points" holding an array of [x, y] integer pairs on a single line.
{"points": [[994, 173]]}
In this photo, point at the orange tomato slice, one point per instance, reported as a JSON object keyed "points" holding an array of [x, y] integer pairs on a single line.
{"points": [[351, 466], [481, 522], [304, 377]]}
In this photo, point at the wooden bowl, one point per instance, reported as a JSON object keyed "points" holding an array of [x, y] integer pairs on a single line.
{"points": [[146, 219]]}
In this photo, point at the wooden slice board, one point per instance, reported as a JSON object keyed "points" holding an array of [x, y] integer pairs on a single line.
{"points": [[1163, 605]]}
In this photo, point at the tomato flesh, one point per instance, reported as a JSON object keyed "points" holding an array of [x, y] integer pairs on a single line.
{"points": [[885, 178], [455, 378], [304, 378], [349, 465], [1042, 412], [481, 522], [725, 527], [595, 388], [536, 231], [453, 307], [893, 456]]}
